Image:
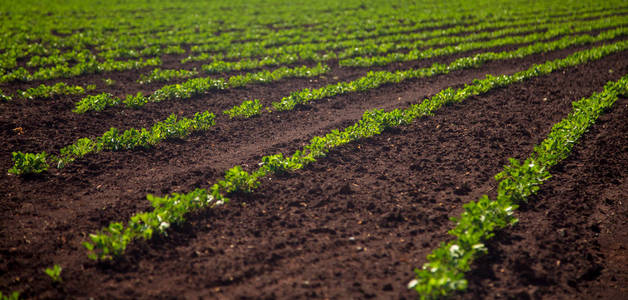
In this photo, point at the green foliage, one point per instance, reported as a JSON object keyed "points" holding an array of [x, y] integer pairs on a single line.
{"points": [[109, 81], [160, 75], [376, 79], [246, 110], [453, 259], [197, 86], [28, 163], [4, 98], [238, 180], [96, 103], [115, 140], [416, 53], [54, 273], [90, 66], [45, 91], [12, 296], [135, 101], [111, 242], [444, 271]]}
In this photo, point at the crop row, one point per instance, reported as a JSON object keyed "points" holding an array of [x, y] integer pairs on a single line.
{"points": [[333, 28], [375, 79], [171, 209], [48, 91], [510, 40], [325, 51], [196, 86], [444, 271], [88, 67], [114, 140], [159, 75], [21, 45], [85, 60], [415, 31]]}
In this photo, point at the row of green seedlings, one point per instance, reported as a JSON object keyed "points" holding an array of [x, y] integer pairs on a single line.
{"points": [[304, 50], [196, 86], [376, 79], [458, 43], [114, 140], [79, 53], [356, 47], [379, 28], [417, 54], [165, 75], [88, 67], [251, 108], [377, 43], [171, 209], [446, 266], [48, 91], [129, 45], [57, 58], [349, 23], [114, 46]]}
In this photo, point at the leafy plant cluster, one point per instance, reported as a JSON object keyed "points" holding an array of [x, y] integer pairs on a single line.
{"points": [[114, 140], [149, 51], [88, 67], [159, 75], [58, 58], [197, 86], [171, 209], [4, 98], [12, 296], [48, 91], [444, 271], [247, 109], [54, 273], [28, 163]]}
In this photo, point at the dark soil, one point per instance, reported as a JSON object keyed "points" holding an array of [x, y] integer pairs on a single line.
{"points": [[571, 240], [353, 225]]}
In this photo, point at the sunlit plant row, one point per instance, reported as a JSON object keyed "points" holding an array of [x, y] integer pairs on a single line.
{"points": [[285, 55], [113, 140], [444, 271], [196, 86]]}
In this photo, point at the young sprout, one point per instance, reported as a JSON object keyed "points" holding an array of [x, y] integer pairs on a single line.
{"points": [[54, 273]]}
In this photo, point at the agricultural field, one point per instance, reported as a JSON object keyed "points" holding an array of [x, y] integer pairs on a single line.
{"points": [[251, 149]]}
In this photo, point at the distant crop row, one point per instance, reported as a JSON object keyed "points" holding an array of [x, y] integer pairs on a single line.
{"points": [[171, 209], [196, 86], [136, 43], [56, 63], [380, 44]]}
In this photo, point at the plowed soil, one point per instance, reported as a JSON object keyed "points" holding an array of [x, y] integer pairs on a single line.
{"points": [[352, 225]]}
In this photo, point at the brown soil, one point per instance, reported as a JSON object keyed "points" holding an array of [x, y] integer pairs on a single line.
{"points": [[571, 240], [352, 225]]}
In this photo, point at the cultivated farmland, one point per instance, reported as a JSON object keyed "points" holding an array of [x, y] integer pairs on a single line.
{"points": [[329, 149]]}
